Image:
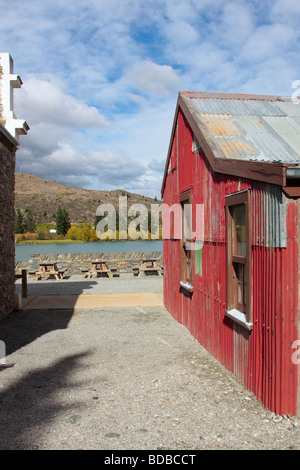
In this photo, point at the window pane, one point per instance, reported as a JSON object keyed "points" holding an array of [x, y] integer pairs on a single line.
{"points": [[241, 282], [187, 221], [188, 266], [239, 229]]}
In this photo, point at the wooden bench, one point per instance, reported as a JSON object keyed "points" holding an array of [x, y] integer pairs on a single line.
{"points": [[149, 270], [32, 273], [114, 272], [85, 271], [136, 271], [62, 271], [23, 276]]}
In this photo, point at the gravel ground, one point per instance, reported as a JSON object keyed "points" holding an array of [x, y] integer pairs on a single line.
{"points": [[122, 379]]}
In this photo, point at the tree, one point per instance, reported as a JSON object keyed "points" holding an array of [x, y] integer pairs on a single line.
{"points": [[24, 221], [19, 222], [29, 222], [67, 220], [62, 221], [83, 231]]}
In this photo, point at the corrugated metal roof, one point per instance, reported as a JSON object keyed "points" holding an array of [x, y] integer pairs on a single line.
{"points": [[249, 129], [238, 107]]}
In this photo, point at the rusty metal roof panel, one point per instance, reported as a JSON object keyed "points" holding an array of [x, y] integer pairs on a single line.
{"points": [[253, 138], [248, 129]]}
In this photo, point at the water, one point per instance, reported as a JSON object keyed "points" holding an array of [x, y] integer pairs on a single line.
{"points": [[23, 252]]}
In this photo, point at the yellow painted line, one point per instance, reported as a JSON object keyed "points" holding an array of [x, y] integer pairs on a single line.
{"points": [[92, 301]]}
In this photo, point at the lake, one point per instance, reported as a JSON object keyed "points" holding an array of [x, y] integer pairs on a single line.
{"points": [[23, 252]]}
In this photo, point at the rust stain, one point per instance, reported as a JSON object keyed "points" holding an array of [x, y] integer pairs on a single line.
{"points": [[230, 139], [232, 147], [220, 125]]}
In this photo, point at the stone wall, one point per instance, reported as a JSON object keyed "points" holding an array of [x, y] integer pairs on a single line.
{"points": [[7, 240], [76, 262]]}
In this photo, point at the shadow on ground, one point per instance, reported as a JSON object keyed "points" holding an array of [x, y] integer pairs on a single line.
{"points": [[54, 287], [21, 425], [23, 327]]}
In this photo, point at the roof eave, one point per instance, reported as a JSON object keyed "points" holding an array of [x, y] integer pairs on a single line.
{"points": [[170, 147], [8, 136]]}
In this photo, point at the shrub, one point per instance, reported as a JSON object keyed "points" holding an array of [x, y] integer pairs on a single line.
{"points": [[83, 232], [43, 233]]}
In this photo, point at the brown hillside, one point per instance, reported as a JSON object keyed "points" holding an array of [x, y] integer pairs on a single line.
{"points": [[43, 197]]}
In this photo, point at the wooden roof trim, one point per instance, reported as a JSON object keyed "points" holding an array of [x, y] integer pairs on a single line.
{"points": [[292, 191], [260, 171], [170, 147]]}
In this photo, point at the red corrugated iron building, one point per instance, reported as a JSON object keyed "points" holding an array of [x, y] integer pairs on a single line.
{"points": [[234, 283]]}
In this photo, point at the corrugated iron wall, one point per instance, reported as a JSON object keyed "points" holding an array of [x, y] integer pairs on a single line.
{"points": [[261, 358]]}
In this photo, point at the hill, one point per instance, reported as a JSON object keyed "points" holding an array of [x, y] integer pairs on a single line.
{"points": [[43, 196]]}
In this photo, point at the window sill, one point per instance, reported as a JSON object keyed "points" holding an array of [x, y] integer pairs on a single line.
{"points": [[186, 286], [239, 317]]}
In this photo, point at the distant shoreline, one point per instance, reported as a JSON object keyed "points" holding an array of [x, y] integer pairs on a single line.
{"points": [[66, 242], [48, 242]]}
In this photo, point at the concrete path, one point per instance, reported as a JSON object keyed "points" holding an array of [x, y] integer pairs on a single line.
{"points": [[78, 292], [92, 301]]}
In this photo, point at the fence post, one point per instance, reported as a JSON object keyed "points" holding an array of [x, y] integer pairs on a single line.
{"points": [[24, 283]]}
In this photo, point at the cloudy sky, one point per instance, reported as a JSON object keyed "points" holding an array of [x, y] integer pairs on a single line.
{"points": [[101, 78]]}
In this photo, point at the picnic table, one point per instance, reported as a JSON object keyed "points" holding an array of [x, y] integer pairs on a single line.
{"points": [[50, 268], [99, 266], [149, 265]]}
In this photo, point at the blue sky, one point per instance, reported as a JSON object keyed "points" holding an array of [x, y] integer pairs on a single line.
{"points": [[101, 78]]}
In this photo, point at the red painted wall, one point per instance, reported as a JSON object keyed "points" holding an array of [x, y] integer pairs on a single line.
{"points": [[261, 358]]}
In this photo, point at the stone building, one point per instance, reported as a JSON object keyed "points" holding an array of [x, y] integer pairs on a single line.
{"points": [[10, 130]]}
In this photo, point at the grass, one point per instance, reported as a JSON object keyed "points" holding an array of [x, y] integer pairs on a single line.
{"points": [[48, 242]]}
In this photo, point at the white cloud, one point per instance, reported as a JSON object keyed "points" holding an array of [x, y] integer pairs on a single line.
{"points": [[154, 79], [266, 42], [101, 78], [49, 102], [235, 25], [71, 166], [286, 11]]}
